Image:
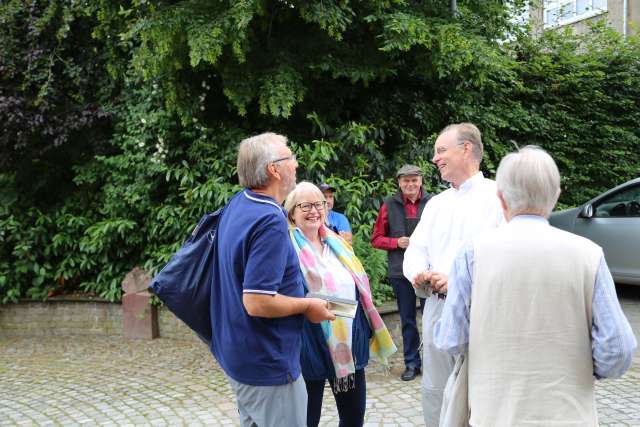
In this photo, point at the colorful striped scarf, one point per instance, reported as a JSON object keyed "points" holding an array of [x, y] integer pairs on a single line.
{"points": [[320, 280]]}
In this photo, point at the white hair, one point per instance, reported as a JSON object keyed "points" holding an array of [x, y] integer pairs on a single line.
{"points": [[254, 155], [529, 181], [468, 132], [293, 198]]}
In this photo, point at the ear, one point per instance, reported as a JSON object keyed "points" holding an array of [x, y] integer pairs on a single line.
{"points": [[468, 148], [272, 171]]}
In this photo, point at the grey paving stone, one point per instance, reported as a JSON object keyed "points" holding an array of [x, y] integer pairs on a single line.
{"points": [[76, 380]]}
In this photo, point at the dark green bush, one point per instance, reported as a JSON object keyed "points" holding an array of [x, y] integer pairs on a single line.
{"points": [[130, 112]]}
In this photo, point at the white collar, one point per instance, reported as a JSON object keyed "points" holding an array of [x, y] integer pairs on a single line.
{"points": [[529, 218], [267, 199], [470, 182]]}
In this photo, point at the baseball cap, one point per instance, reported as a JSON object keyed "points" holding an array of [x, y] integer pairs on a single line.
{"points": [[409, 170], [326, 187]]}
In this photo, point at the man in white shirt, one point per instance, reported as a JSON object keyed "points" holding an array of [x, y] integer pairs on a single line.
{"points": [[454, 216]]}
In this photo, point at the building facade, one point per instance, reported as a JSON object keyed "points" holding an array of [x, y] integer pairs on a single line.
{"points": [[579, 14]]}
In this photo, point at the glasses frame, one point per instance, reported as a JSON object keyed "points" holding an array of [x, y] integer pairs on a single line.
{"points": [[291, 157], [322, 208]]}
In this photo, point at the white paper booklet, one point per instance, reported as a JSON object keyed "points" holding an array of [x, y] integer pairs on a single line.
{"points": [[339, 306]]}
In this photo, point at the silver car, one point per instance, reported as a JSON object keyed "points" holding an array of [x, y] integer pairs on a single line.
{"points": [[612, 220]]}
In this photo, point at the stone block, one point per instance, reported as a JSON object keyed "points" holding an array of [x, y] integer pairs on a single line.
{"points": [[135, 281], [139, 317]]}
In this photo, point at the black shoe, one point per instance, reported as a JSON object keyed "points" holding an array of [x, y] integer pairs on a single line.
{"points": [[410, 374]]}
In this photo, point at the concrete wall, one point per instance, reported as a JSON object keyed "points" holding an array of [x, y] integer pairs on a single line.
{"points": [[634, 16], [615, 15], [582, 27], [536, 17]]}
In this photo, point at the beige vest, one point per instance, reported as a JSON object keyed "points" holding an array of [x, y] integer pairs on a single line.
{"points": [[530, 360]]}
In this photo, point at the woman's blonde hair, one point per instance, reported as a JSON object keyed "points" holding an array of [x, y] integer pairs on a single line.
{"points": [[293, 199]]}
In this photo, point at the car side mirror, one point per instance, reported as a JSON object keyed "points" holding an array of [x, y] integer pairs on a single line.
{"points": [[587, 211]]}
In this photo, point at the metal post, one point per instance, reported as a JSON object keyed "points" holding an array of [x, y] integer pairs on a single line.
{"points": [[625, 12]]}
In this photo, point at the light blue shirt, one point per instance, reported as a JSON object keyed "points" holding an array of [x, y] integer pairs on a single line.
{"points": [[338, 222], [612, 340]]}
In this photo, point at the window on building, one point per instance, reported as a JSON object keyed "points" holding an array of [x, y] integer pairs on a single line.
{"points": [[561, 12]]}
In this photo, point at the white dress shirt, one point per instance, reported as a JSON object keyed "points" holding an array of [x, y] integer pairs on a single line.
{"points": [[448, 221]]}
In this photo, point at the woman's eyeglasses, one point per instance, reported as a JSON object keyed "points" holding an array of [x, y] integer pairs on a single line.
{"points": [[306, 206]]}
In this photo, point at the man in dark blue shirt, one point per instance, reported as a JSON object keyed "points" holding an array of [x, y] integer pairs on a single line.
{"points": [[257, 307]]}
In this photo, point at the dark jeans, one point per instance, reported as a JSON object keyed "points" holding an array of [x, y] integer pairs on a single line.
{"points": [[406, 298], [351, 404]]}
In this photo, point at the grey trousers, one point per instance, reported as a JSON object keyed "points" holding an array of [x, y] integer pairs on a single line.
{"points": [[271, 406], [436, 365]]}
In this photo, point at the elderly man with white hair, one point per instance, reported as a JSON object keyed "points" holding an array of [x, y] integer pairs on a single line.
{"points": [[544, 320]]}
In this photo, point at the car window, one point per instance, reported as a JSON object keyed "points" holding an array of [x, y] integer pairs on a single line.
{"points": [[625, 203]]}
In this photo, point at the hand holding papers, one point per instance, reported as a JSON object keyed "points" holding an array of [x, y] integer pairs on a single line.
{"points": [[423, 290], [422, 283], [339, 306]]}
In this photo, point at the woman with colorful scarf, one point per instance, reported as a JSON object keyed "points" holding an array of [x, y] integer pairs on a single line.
{"points": [[336, 350]]}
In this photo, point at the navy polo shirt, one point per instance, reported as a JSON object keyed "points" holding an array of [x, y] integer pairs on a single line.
{"points": [[254, 254]]}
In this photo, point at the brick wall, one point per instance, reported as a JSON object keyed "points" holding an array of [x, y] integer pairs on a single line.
{"points": [[171, 327], [72, 317], [89, 317]]}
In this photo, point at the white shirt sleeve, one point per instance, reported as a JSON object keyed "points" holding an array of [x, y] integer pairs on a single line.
{"points": [[416, 257]]}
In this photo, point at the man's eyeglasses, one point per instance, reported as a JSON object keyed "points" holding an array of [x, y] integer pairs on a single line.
{"points": [[306, 206], [291, 157]]}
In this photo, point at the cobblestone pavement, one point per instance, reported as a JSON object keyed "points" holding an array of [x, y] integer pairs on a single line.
{"points": [[109, 381]]}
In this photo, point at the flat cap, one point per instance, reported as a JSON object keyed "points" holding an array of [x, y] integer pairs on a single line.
{"points": [[326, 187], [409, 170]]}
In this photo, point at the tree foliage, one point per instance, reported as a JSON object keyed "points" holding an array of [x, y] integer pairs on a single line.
{"points": [[53, 93], [121, 118]]}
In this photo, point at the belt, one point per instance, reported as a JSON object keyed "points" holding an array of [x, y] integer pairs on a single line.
{"points": [[440, 296]]}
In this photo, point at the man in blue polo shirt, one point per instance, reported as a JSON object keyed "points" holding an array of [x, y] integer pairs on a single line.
{"points": [[335, 220], [258, 306]]}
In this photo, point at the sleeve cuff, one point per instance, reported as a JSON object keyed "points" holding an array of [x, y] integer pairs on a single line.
{"points": [[258, 291]]}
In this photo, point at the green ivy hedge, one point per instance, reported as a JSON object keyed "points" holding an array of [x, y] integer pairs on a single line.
{"points": [[121, 118]]}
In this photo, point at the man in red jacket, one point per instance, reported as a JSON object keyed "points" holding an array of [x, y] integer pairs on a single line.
{"points": [[396, 220]]}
